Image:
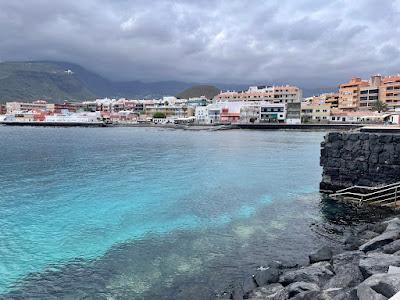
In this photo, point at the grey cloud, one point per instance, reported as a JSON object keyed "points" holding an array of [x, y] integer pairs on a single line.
{"points": [[306, 42]]}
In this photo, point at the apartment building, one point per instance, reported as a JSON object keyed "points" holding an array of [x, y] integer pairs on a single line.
{"points": [[67, 106], [293, 113], [250, 113], [389, 92], [370, 94], [197, 101], [330, 98], [201, 114], [226, 112], [362, 94], [349, 93], [273, 113], [13, 107], [315, 112], [273, 94]]}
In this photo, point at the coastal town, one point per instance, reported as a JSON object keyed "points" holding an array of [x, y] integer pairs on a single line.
{"points": [[358, 101]]}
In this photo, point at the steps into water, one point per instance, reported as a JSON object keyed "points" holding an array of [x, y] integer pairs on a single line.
{"points": [[384, 196]]}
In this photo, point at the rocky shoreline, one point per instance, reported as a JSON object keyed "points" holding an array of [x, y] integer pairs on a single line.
{"points": [[368, 268]]}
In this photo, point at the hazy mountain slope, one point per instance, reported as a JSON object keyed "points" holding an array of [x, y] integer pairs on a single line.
{"points": [[208, 91], [25, 81], [49, 80]]}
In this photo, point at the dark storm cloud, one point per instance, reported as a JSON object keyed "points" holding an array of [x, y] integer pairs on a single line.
{"points": [[307, 42]]}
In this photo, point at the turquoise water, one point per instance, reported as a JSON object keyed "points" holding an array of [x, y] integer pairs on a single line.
{"points": [[143, 210]]}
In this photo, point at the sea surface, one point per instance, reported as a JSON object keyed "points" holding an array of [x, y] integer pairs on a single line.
{"points": [[148, 213]]}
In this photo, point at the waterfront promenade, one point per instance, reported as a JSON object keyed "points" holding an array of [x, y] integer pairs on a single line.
{"points": [[221, 126]]}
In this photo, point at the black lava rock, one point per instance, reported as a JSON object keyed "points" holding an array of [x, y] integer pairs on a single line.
{"points": [[323, 254]]}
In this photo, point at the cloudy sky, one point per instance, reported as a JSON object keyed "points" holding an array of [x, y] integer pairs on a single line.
{"points": [[313, 43]]}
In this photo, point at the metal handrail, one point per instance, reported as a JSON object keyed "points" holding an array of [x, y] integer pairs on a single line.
{"points": [[366, 196], [378, 195], [367, 187]]}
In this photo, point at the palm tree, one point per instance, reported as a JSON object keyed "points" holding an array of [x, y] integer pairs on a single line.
{"points": [[379, 106]]}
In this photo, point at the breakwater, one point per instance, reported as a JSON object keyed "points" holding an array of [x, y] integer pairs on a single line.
{"points": [[367, 268], [359, 158]]}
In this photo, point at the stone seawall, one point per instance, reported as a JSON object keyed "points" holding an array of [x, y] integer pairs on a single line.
{"points": [[353, 158]]}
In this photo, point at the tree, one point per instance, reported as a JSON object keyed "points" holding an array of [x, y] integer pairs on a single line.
{"points": [[159, 115], [379, 106]]}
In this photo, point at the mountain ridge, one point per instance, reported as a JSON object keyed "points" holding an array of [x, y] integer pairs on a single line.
{"points": [[51, 81]]}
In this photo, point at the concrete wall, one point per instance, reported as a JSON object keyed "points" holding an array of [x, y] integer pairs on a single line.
{"points": [[368, 159]]}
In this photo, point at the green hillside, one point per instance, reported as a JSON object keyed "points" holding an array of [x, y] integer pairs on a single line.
{"points": [[48, 80], [31, 81], [208, 91]]}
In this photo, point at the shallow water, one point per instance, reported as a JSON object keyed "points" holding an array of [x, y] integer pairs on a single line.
{"points": [[120, 213]]}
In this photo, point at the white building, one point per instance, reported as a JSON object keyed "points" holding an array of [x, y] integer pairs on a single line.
{"points": [[273, 112], [250, 113], [201, 114]]}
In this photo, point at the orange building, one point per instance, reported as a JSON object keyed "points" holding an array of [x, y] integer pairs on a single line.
{"points": [[273, 94], [327, 98], [331, 98], [389, 91], [349, 93]]}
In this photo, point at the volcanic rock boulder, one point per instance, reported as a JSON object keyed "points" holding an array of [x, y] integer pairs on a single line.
{"points": [[317, 273], [375, 263], [273, 291], [384, 285], [346, 269], [322, 254]]}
